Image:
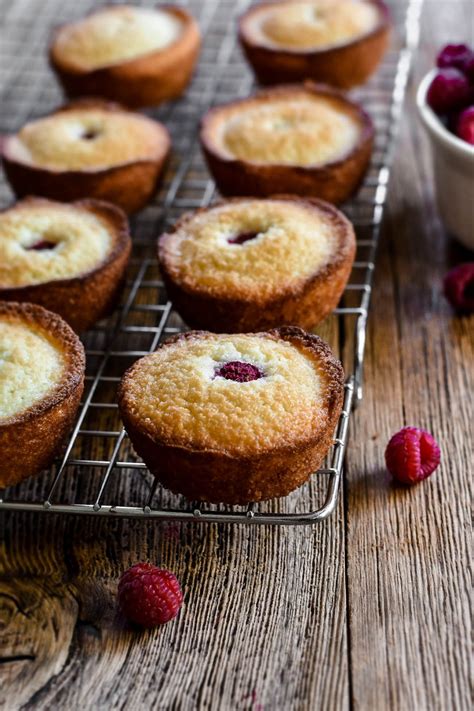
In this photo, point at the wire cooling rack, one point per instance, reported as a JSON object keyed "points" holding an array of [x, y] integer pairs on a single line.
{"points": [[99, 474]]}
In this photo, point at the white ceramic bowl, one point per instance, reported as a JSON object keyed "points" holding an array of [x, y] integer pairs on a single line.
{"points": [[453, 170]]}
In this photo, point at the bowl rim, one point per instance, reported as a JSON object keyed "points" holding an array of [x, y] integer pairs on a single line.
{"points": [[433, 123]]}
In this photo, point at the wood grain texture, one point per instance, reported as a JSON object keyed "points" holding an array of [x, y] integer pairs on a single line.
{"points": [[407, 549], [368, 610]]}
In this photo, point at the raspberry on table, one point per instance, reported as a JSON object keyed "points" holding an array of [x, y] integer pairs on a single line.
{"points": [[459, 288], [412, 455], [149, 596]]}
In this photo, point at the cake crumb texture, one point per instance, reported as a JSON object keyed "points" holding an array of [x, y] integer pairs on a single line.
{"points": [[88, 138], [314, 25], [178, 398], [31, 366], [115, 34], [303, 130], [292, 242], [79, 241]]}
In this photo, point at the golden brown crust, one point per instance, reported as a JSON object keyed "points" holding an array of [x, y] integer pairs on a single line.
{"points": [[333, 182], [344, 66], [85, 299], [304, 306], [145, 81], [30, 441], [217, 477], [130, 185]]}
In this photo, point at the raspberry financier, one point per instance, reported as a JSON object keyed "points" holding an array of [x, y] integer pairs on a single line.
{"points": [[337, 42], [233, 418], [137, 56], [69, 258], [89, 148], [41, 381], [247, 265], [303, 139]]}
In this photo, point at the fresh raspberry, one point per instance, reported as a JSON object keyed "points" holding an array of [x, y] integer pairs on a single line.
{"points": [[454, 55], [448, 91], [243, 237], [459, 288], [239, 371], [149, 596], [468, 68], [465, 125], [412, 455]]}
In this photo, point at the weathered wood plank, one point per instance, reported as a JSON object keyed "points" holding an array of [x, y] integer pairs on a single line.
{"points": [[408, 549], [261, 606]]}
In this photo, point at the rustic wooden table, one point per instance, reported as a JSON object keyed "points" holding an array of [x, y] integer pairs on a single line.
{"points": [[369, 609]]}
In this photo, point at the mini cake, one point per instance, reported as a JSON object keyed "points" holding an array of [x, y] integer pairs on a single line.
{"points": [[137, 56], [233, 418], [88, 149], [301, 139], [248, 265], [41, 382], [337, 42], [69, 258]]}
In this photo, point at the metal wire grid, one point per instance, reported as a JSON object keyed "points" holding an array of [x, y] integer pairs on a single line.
{"points": [[98, 444]]}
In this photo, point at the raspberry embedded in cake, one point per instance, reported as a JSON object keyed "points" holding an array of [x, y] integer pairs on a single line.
{"points": [[255, 439], [242, 238], [41, 245], [239, 371]]}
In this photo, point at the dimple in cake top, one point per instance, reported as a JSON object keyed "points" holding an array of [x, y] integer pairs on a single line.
{"points": [[88, 137], [302, 128], [42, 241], [316, 24], [115, 34], [254, 249], [31, 366], [240, 394]]}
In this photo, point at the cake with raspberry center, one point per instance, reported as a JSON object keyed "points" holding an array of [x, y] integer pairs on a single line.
{"points": [[88, 149], [249, 264], [233, 418], [69, 258], [42, 366]]}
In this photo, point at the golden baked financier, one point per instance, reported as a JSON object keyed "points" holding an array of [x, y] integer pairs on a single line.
{"points": [[42, 366], [336, 42], [234, 418], [302, 139], [88, 149], [253, 264], [134, 55], [68, 257]]}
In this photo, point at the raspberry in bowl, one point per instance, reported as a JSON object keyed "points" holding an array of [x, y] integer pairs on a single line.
{"points": [[445, 102]]}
